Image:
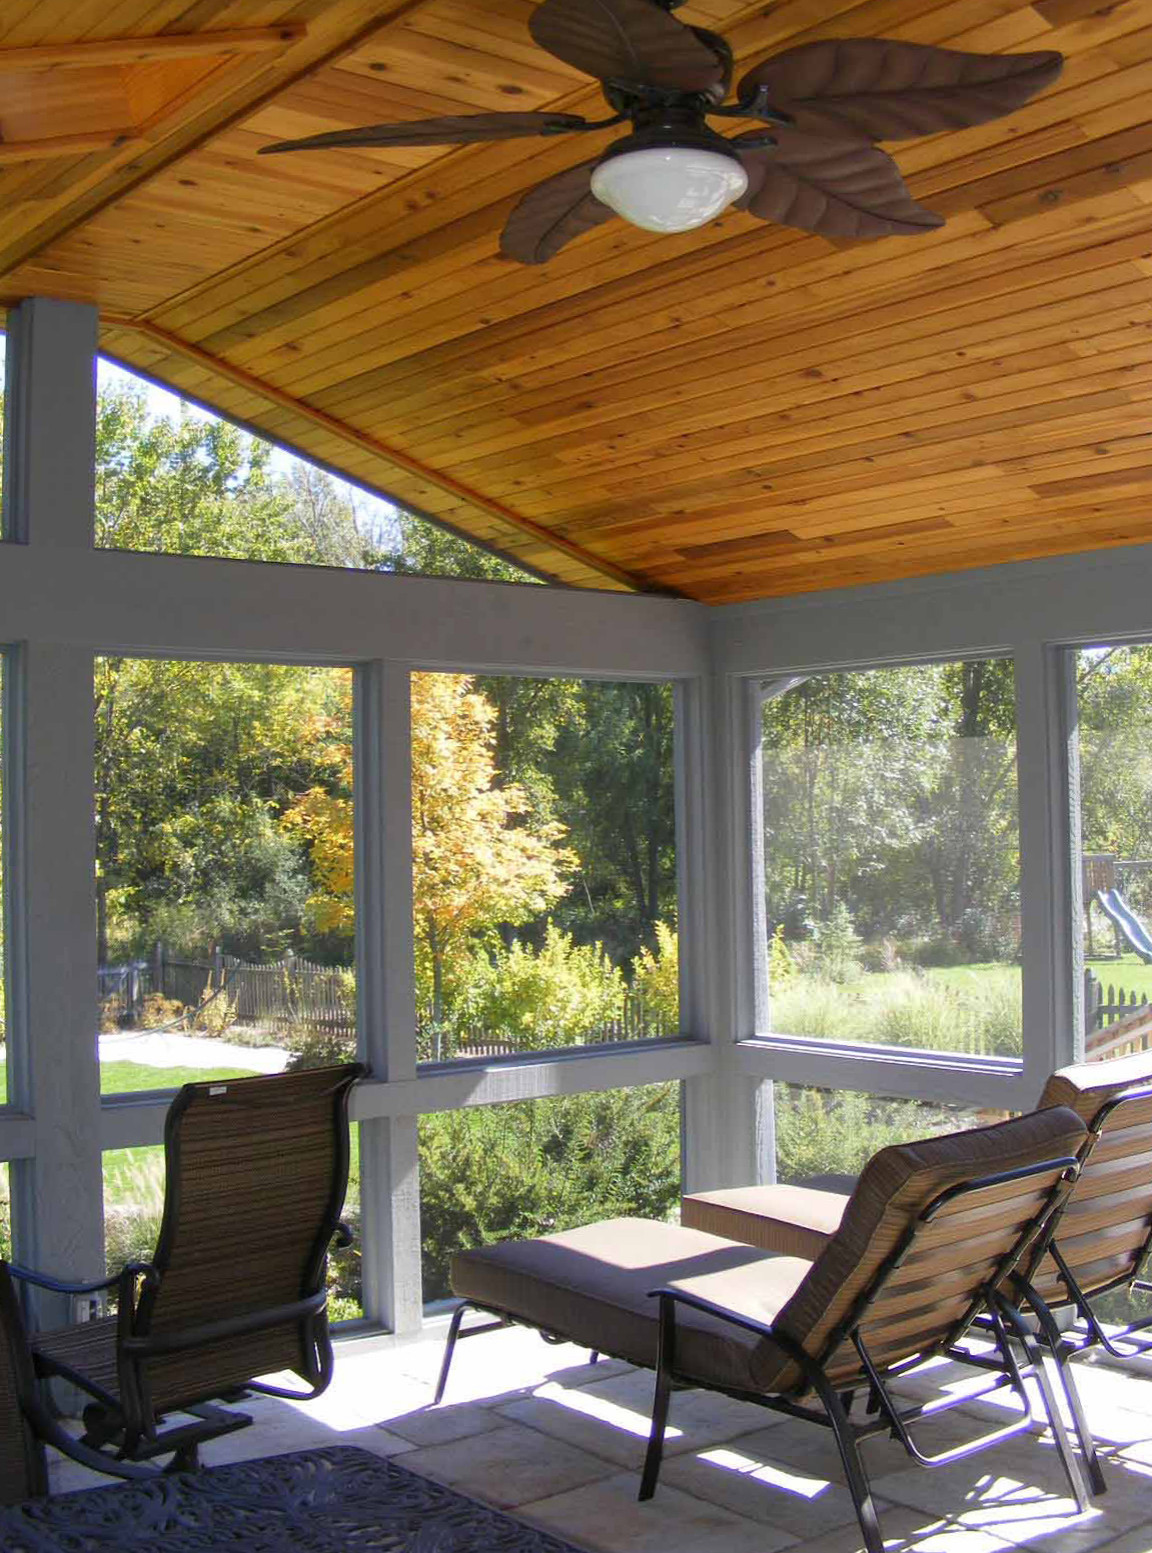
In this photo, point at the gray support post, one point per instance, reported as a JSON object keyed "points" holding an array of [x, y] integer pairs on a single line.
{"points": [[1053, 1015], [726, 1134], [58, 1221], [389, 1175], [50, 843], [50, 431]]}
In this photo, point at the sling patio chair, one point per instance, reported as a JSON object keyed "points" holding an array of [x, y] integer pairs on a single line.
{"points": [[1101, 1239], [257, 1169], [927, 1242]]}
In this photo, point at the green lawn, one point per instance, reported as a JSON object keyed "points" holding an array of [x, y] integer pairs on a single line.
{"points": [[119, 1078]]}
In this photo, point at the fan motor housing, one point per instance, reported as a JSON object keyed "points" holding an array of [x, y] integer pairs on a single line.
{"points": [[666, 128]]}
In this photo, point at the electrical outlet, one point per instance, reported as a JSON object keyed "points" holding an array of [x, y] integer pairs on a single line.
{"points": [[87, 1307]]}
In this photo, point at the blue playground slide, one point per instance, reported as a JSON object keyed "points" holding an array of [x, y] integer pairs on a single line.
{"points": [[1130, 925]]}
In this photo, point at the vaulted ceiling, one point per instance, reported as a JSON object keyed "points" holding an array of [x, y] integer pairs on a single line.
{"points": [[732, 413]]}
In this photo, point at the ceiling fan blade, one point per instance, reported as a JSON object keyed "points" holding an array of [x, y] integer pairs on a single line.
{"points": [[552, 214], [626, 40], [459, 130], [881, 89], [835, 188]]}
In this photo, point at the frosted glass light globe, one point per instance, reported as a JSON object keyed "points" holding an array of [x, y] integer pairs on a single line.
{"points": [[669, 189]]}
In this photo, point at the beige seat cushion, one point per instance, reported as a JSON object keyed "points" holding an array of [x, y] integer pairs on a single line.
{"points": [[789, 1220], [592, 1285]]}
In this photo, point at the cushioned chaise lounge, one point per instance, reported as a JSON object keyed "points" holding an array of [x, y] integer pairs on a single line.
{"points": [[1101, 1240], [927, 1241]]}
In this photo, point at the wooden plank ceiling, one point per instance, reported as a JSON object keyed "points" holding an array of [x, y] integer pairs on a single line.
{"points": [[733, 413]]}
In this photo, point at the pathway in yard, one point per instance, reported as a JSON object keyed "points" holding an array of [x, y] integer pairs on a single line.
{"points": [[170, 1049]]}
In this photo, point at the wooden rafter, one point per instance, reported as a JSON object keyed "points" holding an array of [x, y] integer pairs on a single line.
{"points": [[67, 145], [141, 51]]}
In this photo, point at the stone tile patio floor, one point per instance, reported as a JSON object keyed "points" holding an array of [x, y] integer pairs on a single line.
{"points": [[537, 1430]]}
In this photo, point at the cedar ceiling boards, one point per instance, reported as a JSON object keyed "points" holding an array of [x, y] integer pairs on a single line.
{"points": [[737, 412]]}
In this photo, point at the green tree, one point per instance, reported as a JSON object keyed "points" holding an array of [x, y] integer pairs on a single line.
{"points": [[891, 793], [195, 765]]}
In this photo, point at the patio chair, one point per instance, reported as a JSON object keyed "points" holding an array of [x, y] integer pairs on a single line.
{"points": [[26, 1425], [927, 1242], [256, 1174], [1101, 1239]]}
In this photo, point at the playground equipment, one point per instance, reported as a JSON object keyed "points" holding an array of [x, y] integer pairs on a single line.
{"points": [[1127, 923]]}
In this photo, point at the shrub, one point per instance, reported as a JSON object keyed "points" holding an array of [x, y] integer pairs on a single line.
{"points": [[215, 1014], [819, 1132], [782, 964], [656, 978], [940, 951], [837, 946], [988, 935], [882, 956], [537, 1166], [318, 1048], [158, 1011], [562, 995]]}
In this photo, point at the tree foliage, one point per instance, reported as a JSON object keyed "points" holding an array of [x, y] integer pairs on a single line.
{"points": [[891, 794]]}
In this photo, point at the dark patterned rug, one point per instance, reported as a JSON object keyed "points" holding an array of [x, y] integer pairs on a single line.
{"points": [[334, 1500]]}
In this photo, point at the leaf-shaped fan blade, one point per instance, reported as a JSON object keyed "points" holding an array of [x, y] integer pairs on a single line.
{"points": [[835, 188], [553, 214], [885, 90], [626, 40], [459, 130]]}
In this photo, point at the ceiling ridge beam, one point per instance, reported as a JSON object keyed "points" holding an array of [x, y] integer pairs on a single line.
{"points": [[369, 444]]}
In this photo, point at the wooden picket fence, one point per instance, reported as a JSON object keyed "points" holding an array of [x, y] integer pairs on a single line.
{"points": [[297, 994], [1117, 1022]]}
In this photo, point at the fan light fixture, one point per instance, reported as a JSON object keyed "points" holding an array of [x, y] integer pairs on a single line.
{"points": [[812, 162], [670, 188]]}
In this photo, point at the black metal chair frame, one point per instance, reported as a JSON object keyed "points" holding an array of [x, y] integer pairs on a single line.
{"points": [[1088, 1333], [1006, 1323], [42, 1428], [129, 1423]]}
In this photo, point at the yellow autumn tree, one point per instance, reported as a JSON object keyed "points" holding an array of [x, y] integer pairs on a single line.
{"points": [[480, 856]]}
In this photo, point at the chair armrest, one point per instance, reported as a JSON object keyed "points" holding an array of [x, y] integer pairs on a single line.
{"points": [[60, 1285], [342, 1237], [710, 1308], [131, 1270]]}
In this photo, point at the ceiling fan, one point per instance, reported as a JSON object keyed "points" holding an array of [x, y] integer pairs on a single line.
{"points": [[818, 168]]}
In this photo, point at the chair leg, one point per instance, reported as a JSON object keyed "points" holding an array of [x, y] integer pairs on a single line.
{"points": [[449, 1350], [858, 1485], [660, 1399], [1071, 1391], [1036, 1359]]}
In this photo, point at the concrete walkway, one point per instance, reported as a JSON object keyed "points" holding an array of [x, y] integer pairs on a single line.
{"points": [[171, 1049]]}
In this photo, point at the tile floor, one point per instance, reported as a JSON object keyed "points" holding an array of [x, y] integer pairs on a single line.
{"points": [[537, 1430]]}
